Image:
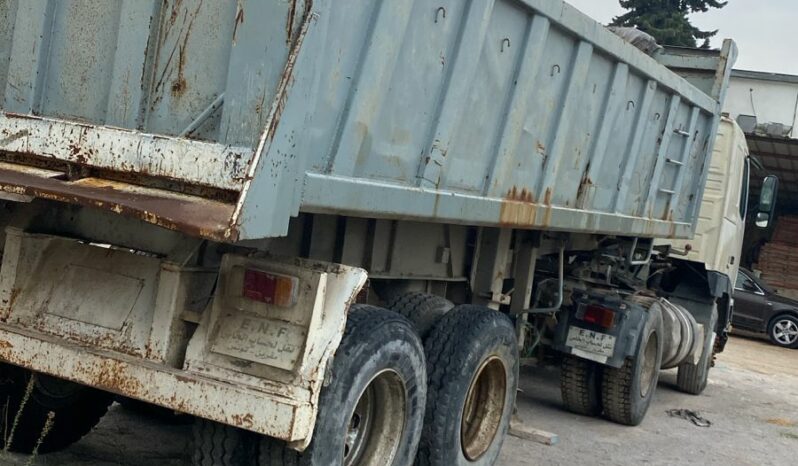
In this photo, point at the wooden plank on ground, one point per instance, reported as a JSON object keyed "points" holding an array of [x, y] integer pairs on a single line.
{"points": [[522, 431]]}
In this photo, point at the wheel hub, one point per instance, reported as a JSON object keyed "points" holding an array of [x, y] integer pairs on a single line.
{"points": [[376, 425], [785, 331], [649, 369], [484, 406]]}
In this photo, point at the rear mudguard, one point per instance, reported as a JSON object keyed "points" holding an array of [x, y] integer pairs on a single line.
{"points": [[629, 322]]}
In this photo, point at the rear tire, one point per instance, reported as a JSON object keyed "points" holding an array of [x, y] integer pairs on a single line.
{"points": [[222, 445], [372, 410], [422, 309], [693, 378], [75, 409], [626, 392], [472, 362], [782, 331], [580, 386]]}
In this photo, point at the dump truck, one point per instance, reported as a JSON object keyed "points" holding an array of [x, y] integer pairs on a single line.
{"points": [[327, 229]]}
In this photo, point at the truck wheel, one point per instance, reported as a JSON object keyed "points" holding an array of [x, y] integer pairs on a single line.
{"points": [[472, 362], [222, 445], [36, 401], [372, 410], [422, 309], [626, 392], [783, 331], [580, 385], [693, 378]]}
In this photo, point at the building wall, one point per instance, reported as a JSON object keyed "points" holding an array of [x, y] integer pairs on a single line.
{"points": [[771, 98]]}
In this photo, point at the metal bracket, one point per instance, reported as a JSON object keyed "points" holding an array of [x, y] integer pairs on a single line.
{"points": [[631, 258], [561, 287]]}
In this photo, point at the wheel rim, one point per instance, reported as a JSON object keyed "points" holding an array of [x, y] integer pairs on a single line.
{"points": [[649, 365], [377, 423], [482, 413], [785, 332]]}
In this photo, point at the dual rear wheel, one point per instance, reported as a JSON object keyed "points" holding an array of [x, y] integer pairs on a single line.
{"points": [[622, 394], [395, 400]]}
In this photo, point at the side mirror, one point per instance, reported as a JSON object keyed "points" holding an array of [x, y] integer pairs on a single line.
{"points": [[749, 285], [767, 201]]}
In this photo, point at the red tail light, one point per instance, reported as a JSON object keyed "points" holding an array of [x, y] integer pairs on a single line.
{"points": [[599, 315], [269, 288]]}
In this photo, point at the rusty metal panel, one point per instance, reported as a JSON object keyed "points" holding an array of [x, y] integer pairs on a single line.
{"points": [[515, 113], [221, 401], [193, 215], [526, 109], [196, 162], [114, 319]]}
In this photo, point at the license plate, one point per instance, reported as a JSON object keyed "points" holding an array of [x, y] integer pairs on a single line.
{"points": [[593, 343]]}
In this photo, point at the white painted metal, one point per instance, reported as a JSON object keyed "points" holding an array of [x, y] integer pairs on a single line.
{"points": [[118, 320], [719, 233], [222, 166]]}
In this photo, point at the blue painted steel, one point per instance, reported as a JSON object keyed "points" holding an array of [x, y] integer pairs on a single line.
{"points": [[515, 113]]}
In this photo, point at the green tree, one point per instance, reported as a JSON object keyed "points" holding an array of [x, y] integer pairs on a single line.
{"points": [[667, 20]]}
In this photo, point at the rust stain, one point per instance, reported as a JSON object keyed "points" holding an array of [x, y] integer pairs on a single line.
{"points": [[671, 230], [289, 26], [584, 187], [13, 298], [180, 85], [524, 195], [22, 116], [518, 208], [547, 202], [540, 148], [286, 81], [239, 21], [246, 421], [175, 12], [192, 215], [112, 375]]}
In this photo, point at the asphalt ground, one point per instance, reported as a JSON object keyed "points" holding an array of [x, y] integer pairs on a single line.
{"points": [[752, 402]]}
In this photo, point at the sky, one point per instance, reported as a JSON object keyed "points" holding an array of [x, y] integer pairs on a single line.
{"points": [[766, 31]]}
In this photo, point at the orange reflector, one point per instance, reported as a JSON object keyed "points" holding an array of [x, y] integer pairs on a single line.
{"points": [[268, 288]]}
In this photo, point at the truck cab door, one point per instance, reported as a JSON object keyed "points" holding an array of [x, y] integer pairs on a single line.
{"points": [[750, 302]]}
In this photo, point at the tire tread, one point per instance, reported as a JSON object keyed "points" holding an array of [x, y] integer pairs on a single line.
{"points": [[363, 322], [579, 395], [422, 309], [616, 392], [443, 347]]}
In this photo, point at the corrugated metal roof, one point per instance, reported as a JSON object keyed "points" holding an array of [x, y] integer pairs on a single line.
{"points": [[779, 157]]}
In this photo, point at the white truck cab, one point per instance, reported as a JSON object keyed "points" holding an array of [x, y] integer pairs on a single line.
{"points": [[721, 219]]}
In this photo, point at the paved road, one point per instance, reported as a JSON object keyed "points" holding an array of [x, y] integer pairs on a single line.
{"points": [[752, 401]]}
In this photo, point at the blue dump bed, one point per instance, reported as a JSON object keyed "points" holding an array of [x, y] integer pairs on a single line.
{"points": [[224, 119]]}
